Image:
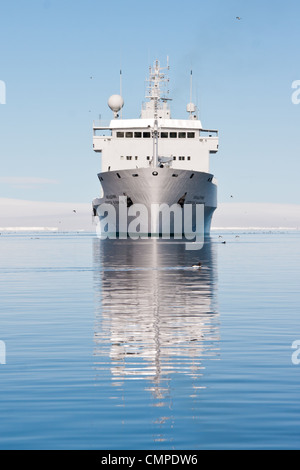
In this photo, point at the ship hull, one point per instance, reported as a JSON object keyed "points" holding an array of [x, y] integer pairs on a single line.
{"points": [[150, 188]]}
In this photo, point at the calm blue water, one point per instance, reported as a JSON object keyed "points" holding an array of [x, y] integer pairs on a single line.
{"points": [[120, 345]]}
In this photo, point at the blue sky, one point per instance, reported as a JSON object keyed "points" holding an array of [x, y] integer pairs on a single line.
{"points": [[243, 73]]}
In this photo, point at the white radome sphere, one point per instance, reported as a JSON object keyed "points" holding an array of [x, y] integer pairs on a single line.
{"points": [[116, 103]]}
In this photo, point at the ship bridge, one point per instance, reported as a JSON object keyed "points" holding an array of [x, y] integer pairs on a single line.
{"points": [[155, 139]]}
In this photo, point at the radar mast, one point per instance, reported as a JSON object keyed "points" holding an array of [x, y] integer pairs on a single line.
{"points": [[157, 77]]}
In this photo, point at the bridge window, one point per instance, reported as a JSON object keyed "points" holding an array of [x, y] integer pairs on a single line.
{"points": [[137, 135], [146, 135], [191, 135], [129, 135], [120, 134], [182, 135], [173, 135], [164, 135], [129, 157]]}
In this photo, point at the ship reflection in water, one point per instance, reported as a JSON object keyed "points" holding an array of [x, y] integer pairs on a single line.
{"points": [[156, 316]]}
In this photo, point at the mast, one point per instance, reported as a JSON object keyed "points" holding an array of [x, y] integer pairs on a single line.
{"points": [[191, 92], [156, 77], [155, 128], [121, 83]]}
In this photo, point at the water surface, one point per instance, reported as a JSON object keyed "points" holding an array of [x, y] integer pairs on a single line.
{"points": [[122, 345]]}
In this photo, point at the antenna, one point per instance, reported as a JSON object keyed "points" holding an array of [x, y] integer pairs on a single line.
{"points": [[191, 87], [121, 86], [191, 108]]}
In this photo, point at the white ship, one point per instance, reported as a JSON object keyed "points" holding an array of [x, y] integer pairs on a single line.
{"points": [[155, 160]]}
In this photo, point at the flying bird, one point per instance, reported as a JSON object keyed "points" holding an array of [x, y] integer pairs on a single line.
{"points": [[238, 18]]}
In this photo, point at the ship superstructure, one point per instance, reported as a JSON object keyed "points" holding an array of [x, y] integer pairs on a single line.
{"points": [[156, 159]]}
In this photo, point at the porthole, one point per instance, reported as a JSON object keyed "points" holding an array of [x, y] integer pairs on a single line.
{"points": [[154, 173]]}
